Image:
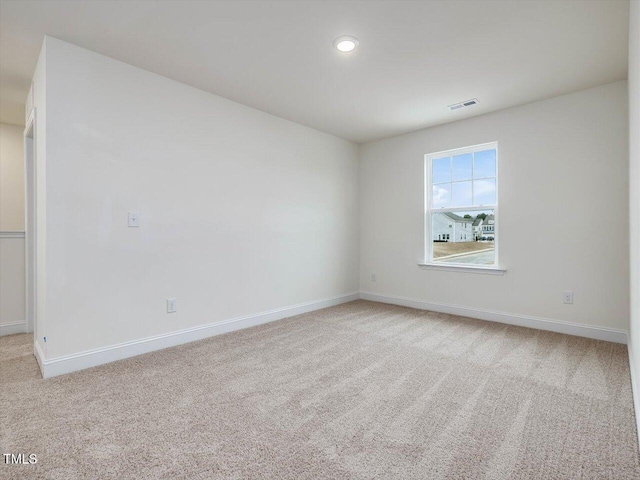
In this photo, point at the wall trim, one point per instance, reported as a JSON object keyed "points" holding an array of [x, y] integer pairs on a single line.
{"points": [[13, 328], [52, 367], [12, 234], [37, 352], [635, 389], [538, 323]]}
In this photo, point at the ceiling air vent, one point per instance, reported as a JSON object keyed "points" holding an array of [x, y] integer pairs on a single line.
{"points": [[466, 103]]}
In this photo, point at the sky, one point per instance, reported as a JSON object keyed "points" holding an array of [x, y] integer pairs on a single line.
{"points": [[464, 180]]}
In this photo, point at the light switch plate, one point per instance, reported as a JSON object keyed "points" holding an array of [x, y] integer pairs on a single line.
{"points": [[172, 305], [134, 219]]}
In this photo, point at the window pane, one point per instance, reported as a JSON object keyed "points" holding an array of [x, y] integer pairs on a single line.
{"points": [[464, 237], [441, 170], [484, 192], [441, 195], [461, 194], [462, 167], [484, 164]]}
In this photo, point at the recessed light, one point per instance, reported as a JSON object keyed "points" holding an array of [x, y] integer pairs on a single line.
{"points": [[346, 43]]}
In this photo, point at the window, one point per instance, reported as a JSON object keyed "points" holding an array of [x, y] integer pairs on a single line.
{"points": [[462, 198]]}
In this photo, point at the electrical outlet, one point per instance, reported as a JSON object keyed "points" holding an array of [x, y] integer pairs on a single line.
{"points": [[567, 297], [373, 277], [172, 305]]}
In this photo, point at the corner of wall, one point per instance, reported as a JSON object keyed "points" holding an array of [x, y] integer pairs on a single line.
{"points": [[634, 202]]}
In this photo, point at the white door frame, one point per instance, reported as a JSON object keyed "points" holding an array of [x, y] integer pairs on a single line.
{"points": [[30, 235]]}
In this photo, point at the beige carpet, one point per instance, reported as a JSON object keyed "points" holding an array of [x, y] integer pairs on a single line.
{"points": [[358, 391]]}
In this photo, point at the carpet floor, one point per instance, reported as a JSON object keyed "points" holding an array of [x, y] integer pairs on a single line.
{"points": [[358, 391]]}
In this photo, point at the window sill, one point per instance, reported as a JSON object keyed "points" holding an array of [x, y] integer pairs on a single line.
{"points": [[463, 268]]}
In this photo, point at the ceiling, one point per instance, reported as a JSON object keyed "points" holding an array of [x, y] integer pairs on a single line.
{"points": [[414, 59]]}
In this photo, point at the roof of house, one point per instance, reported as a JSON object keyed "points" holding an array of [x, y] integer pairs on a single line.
{"points": [[455, 217], [476, 221]]}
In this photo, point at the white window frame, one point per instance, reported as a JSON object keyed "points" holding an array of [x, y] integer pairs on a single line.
{"points": [[428, 262]]}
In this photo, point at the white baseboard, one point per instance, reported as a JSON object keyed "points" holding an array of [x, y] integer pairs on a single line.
{"points": [[13, 328], [635, 389], [589, 331], [52, 367]]}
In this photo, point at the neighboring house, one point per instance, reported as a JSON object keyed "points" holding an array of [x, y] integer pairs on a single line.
{"points": [[484, 227], [477, 228], [489, 227], [449, 227]]}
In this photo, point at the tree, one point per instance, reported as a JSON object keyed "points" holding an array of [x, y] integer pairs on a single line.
{"points": [[467, 216], [481, 215]]}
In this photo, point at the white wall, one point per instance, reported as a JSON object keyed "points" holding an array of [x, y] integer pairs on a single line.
{"points": [[634, 193], [563, 168], [11, 179], [241, 212], [12, 296], [12, 311]]}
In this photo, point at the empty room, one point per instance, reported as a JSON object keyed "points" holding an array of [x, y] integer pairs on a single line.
{"points": [[320, 239]]}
